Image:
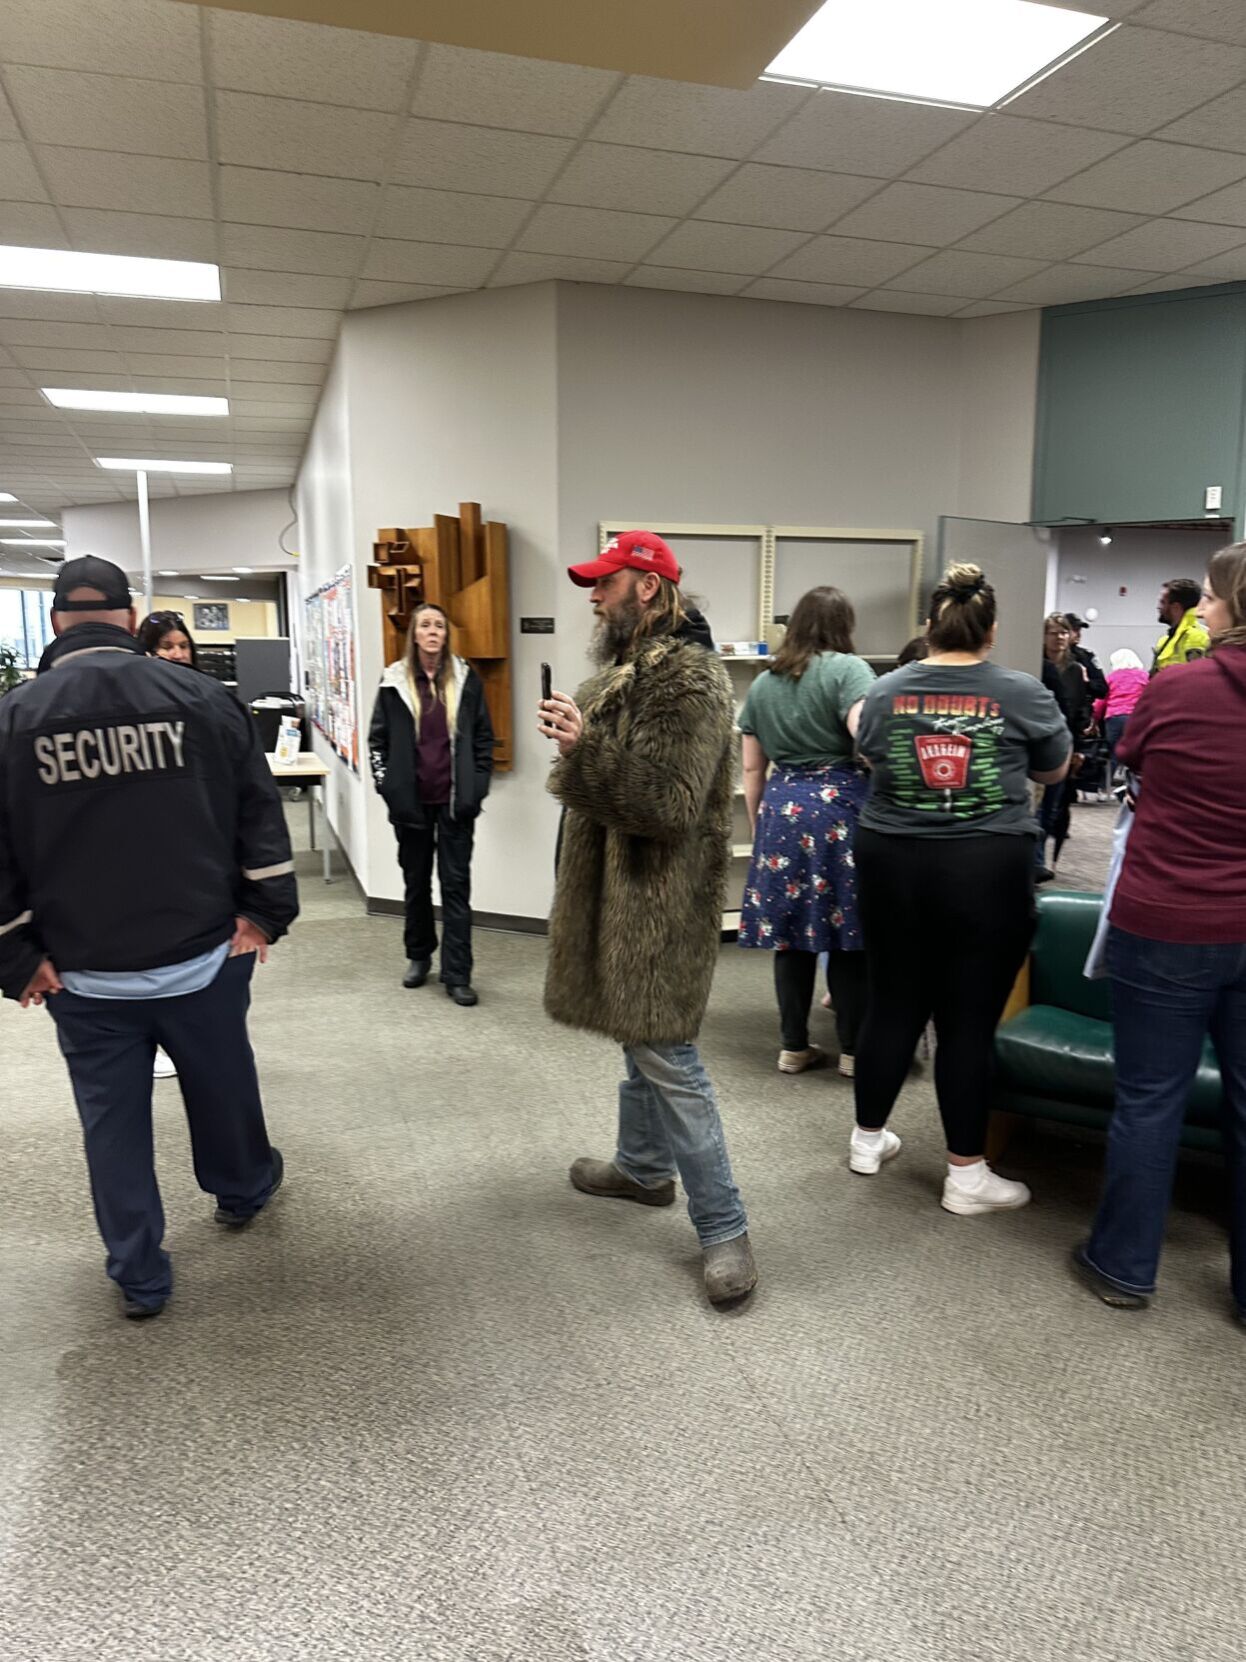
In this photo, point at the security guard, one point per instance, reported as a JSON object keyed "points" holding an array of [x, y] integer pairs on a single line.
{"points": [[144, 865], [1186, 639]]}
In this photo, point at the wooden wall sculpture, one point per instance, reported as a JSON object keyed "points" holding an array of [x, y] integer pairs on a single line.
{"points": [[460, 565]]}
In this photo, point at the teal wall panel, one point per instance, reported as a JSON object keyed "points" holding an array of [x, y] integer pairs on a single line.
{"points": [[1141, 406]]}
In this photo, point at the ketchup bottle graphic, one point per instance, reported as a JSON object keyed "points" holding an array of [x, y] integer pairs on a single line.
{"points": [[944, 759]]}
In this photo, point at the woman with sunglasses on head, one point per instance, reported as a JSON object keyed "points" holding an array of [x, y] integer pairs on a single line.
{"points": [[165, 635], [431, 748]]}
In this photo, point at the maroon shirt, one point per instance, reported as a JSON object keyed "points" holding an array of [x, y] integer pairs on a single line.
{"points": [[1184, 876], [432, 747]]}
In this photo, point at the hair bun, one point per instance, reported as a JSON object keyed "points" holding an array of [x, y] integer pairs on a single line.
{"points": [[964, 582]]}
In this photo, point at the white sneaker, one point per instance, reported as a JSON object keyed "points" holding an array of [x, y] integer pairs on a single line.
{"points": [[866, 1159], [847, 1064], [798, 1061], [163, 1067], [989, 1193]]}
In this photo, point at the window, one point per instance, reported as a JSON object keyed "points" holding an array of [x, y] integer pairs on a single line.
{"points": [[26, 623]]}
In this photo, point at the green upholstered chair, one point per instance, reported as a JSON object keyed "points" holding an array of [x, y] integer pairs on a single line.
{"points": [[1053, 1050]]}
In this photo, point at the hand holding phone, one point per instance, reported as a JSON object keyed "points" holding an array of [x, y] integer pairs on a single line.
{"points": [[547, 684]]}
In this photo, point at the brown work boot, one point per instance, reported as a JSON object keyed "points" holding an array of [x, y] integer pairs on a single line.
{"points": [[603, 1177], [730, 1271]]}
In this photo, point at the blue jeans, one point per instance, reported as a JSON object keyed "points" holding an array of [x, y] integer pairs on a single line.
{"points": [[109, 1045], [1166, 998], [668, 1123]]}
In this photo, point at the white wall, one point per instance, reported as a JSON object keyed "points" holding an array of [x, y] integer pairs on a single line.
{"points": [[190, 533], [998, 409], [1138, 560]]}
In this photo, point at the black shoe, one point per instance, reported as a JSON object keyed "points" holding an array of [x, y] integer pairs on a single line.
{"points": [[462, 995], [1099, 1284], [1044, 874], [417, 972], [239, 1220], [133, 1311]]}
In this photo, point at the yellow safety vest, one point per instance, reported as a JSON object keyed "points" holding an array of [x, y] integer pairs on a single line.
{"points": [[1188, 640]]}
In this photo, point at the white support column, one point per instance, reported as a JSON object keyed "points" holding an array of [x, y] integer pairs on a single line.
{"points": [[144, 533]]}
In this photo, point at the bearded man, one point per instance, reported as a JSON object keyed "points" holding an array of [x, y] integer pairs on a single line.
{"points": [[645, 774]]}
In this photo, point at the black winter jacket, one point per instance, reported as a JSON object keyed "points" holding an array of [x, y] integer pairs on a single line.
{"points": [[391, 747], [138, 814]]}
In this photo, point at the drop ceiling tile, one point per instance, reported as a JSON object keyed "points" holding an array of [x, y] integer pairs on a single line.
{"points": [[302, 321], [42, 357], [193, 342], [975, 276], [849, 260], [307, 396], [288, 349], [440, 264], [450, 216], [842, 133], [267, 424], [295, 137], [1134, 81], [992, 308], [1222, 20], [31, 225], [284, 288], [1220, 125], [264, 407], [46, 307], [269, 369], [319, 252], [110, 112], [154, 235], [542, 268], [642, 181], [201, 317], [214, 386], [1016, 157], [701, 245], [892, 300], [807, 294], [370, 294], [1165, 245], [527, 94], [923, 213], [786, 198], [1049, 230], [83, 34], [709, 121], [76, 376], [1222, 207], [19, 180], [445, 155], [128, 184], [691, 282], [309, 61], [1151, 178], [175, 363], [298, 201], [1222, 268], [593, 233], [10, 132], [19, 332], [1064, 284]]}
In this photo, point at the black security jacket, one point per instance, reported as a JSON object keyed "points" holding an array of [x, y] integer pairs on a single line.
{"points": [[138, 815]]}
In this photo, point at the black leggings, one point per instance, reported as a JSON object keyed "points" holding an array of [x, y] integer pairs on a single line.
{"points": [[947, 923], [795, 974]]}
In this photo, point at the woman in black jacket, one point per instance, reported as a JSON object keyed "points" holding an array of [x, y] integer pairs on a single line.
{"points": [[431, 747]]}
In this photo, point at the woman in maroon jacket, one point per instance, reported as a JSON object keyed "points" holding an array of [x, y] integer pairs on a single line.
{"points": [[1176, 948]]}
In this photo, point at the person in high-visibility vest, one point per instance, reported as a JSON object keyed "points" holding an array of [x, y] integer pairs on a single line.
{"points": [[1186, 638]]}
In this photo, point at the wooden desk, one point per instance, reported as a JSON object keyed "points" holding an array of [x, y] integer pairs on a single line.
{"points": [[310, 771]]}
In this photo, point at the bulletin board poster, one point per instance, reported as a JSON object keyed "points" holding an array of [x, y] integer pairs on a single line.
{"points": [[329, 639]]}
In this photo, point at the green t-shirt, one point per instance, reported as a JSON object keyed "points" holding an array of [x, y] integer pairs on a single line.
{"points": [[800, 724], [952, 747]]}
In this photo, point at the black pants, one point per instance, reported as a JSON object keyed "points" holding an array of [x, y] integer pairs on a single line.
{"points": [[947, 923], [110, 1044], [795, 975], [450, 840]]}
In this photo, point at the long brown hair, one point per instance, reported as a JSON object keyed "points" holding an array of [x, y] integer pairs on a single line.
{"points": [[1226, 578], [822, 621], [664, 614], [1057, 620], [445, 688], [962, 611]]}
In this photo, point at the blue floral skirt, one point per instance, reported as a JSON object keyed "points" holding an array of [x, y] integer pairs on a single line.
{"points": [[802, 884]]}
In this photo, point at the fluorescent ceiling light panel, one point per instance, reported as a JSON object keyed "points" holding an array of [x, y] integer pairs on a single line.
{"points": [[135, 403], [68, 271], [45, 524], [969, 52], [215, 577], [33, 542], [134, 464], [7, 496]]}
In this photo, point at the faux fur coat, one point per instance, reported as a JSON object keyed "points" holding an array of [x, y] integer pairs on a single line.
{"points": [[646, 846]]}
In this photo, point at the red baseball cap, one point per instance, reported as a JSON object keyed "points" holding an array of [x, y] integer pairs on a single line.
{"points": [[635, 550]]}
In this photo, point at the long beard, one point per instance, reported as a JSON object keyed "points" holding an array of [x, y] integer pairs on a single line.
{"points": [[615, 634]]}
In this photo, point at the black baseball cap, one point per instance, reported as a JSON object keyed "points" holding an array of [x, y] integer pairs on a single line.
{"points": [[90, 572], [1075, 622]]}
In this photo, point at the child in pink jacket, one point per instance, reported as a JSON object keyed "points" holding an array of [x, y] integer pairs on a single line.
{"points": [[1126, 680]]}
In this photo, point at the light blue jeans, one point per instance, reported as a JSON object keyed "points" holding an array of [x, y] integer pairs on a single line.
{"points": [[668, 1123]]}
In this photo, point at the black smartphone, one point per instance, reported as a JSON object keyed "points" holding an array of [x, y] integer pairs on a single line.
{"points": [[547, 684]]}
